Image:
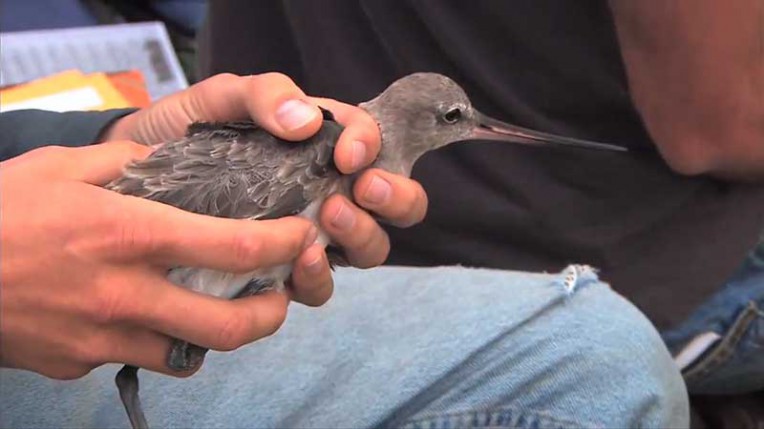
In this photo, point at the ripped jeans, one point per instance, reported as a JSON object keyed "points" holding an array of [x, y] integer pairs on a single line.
{"points": [[407, 347]]}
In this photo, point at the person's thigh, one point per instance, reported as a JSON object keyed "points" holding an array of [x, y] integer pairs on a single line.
{"points": [[436, 347], [720, 347]]}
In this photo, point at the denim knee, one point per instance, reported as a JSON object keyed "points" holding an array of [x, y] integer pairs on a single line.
{"points": [[622, 362], [577, 354]]}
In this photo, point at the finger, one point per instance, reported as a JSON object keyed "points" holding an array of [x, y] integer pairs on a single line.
{"points": [[365, 243], [141, 348], [272, 100], [207, 321], [157, 233], [361, 140], [312, 282], [401, 201], [97, 164]]}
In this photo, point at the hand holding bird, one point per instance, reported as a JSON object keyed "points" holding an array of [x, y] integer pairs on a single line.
{"points": [[84, 269]]}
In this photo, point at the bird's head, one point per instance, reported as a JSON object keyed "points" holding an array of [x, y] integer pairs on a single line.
{"points": [[426, 111], [422, 112]]}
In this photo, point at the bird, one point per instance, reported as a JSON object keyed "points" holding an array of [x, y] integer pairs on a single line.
{"points": [[239, 170]]}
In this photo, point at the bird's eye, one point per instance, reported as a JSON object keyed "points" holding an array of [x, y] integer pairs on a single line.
{"points": [[453, 115]]}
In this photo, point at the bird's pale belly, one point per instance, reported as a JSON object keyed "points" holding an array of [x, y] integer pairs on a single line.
{"points": [[227, 285]]}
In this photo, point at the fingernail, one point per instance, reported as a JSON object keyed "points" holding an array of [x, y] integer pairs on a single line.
{"points": [[315, 265], [311, 237], [378, 192], [345, 218], [294, 114], [357, 155]]}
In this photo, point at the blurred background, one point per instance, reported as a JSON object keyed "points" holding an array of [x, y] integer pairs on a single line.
{"points": [[96, 54], [181, 17]]}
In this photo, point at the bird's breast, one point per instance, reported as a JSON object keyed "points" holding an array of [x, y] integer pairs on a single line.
{"points": [[227, 285]]}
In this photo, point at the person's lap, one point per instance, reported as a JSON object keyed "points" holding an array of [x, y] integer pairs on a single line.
{"points": [[440, 347]]}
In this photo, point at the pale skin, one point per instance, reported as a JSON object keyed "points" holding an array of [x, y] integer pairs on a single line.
{"points": [[83, 269]]}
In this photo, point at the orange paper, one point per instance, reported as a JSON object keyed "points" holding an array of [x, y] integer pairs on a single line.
{"points": [[65, 91], [132, 86]]}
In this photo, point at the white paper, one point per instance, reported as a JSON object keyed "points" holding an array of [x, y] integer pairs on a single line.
{"points": [[64, 101], [28, 55]]}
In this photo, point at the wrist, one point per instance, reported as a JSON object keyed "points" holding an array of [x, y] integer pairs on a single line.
{"points": [[119, 129]]}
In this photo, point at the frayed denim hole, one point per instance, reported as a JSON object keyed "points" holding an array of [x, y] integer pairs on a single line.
{"points": [[575, 276]]}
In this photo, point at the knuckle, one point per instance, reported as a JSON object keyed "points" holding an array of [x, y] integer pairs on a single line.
{"points": [[363, 184], [329, 209], [247, 250], [274, 78], [108, 306], [131, 238], [232, 334], [221, 79], [54, 151], [49, 153], [356, 238], [122, 236]]}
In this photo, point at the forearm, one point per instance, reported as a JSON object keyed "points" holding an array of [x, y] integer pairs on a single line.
{"points": [[25, 130], [696, 75]]}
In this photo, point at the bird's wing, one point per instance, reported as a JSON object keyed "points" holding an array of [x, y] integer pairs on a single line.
{"points": [[236, 170]]}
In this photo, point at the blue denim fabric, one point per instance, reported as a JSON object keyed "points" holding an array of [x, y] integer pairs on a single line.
{"points": [[407, 347], [735, 363]]}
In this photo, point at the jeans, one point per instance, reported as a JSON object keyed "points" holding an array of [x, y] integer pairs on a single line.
{"points": [[723, 341], [407, 347]]}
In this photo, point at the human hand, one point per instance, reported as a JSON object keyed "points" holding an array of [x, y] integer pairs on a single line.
{"points": [[83, 269], [276, 103]]}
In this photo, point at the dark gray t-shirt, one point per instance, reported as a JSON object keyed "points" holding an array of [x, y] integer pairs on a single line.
{"points": [[664, 241]]}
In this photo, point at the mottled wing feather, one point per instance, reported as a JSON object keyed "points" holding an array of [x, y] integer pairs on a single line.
{"points": [[236, 170]]}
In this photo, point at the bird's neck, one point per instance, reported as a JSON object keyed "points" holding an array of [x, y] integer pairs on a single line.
{"points": [[397, 159], [397, 154]]}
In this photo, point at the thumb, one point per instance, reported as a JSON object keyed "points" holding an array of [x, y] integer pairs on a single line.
{"points": [[272, 100]]}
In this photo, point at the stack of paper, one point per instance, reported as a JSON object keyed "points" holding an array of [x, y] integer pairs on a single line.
{"points": [[74, 90], [29, 55]]}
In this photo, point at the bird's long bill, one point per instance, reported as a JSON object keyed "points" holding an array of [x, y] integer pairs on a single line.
{"points": [[492, 129]]}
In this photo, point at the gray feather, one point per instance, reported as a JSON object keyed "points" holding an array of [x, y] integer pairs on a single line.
{"points": [[236, 170]]}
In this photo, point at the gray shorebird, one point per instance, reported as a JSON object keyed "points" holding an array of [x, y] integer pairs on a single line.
{"points": [[238, 170]]}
